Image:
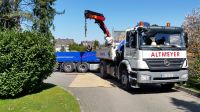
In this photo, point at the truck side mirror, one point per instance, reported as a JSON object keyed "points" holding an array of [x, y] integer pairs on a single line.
{"points": [[186, 39]]}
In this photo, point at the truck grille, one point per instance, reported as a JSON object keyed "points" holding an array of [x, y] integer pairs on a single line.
{"points": [[165, 64]]}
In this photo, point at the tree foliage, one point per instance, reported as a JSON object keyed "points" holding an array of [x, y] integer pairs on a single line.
{"points": [[7, 9], [44, 12], [154, 25], [26, 59], [40, 13], [191, 25], [77, 47], [96, 44]]}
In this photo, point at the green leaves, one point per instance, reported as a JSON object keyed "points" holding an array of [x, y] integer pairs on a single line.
{"points": [[45, 12], [76, 47], [9, 14], [26, 59], [191, 25], [39, 13]]}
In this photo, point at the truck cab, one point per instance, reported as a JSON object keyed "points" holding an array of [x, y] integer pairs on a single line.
{"points": [[156, 54], [149, 54]]}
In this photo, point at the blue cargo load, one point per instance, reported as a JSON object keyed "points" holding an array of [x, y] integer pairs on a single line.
{"points": [[89, 57]]}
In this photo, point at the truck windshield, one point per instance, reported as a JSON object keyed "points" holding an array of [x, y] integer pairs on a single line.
{"points": [[162, 40]]}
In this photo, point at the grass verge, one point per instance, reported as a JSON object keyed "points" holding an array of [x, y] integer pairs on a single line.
{"points": [[51, 99]]}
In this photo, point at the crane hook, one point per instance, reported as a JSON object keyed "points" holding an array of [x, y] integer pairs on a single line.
{"points": [[85, 27]]}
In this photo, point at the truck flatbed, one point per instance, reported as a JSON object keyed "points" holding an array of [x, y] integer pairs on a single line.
{"points": [[77, 61], [76, 57]]}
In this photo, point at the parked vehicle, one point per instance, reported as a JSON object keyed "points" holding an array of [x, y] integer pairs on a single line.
{"points": [[77, 61], [147, 54]]}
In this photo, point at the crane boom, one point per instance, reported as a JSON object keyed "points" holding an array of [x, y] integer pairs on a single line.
{"points": [[99, 19]]}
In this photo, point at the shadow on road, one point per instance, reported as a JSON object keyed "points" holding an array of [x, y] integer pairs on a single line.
{"points": [[72, 73], [151, 89], [190, 106], [144, 89], [42, 87]]}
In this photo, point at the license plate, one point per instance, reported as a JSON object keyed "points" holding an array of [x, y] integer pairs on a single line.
{"points": [[167, 75]]}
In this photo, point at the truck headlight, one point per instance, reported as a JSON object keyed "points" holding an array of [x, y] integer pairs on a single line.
{"points": [[184, 76], [145, 77], [185, 64]]}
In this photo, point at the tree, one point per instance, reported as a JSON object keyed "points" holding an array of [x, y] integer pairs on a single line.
{"points": [[96, 44], [14, 12], [154, 25], [44, 12], [26, 59], [40, 13], [191, 25], [76, 47], [62, 49], [7, 8]]}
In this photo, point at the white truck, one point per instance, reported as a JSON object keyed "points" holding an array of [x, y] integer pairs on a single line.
{"points": [[147, 54]]}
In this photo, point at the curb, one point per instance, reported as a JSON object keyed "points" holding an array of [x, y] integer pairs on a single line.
{"points": [[187, 90]]}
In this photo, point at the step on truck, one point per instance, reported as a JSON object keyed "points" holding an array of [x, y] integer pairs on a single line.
{"points": [[77, 61], [146, 55]]}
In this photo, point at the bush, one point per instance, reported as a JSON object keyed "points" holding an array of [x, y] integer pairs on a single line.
{"points": [[194, 69], [26, 59], [76, 47], [193, 83], [194, 74]]}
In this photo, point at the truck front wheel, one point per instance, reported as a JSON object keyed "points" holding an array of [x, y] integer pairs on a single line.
{"points": [[68, 67], [125, 80]]}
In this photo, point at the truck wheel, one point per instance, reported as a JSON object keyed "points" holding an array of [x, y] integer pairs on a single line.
{"points": [[103, 73], [82, 67], [68, 67], [167, 86], [125, 80]]}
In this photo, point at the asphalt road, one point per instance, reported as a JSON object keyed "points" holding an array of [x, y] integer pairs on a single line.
{"points": [[104, 98]]}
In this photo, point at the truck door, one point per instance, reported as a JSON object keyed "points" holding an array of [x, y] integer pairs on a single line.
{"points": [[131, 44]]}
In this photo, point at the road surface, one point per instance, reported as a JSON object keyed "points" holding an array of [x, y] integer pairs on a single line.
{"points": [[98, 95]]}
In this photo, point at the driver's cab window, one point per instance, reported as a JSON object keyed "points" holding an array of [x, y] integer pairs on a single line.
{"points": [[131, 39]]}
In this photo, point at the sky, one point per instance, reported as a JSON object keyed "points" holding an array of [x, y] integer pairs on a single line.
{"points": [[119, 14]]}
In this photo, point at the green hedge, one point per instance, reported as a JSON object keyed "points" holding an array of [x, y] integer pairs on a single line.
{"points": [[194, 74], [194, 69], [194, 83], [26, 59]]}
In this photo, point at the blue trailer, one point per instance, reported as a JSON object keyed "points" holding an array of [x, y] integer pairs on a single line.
{"points": [[77, 61]]}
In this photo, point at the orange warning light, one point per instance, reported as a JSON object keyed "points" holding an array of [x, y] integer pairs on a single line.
{"points": [[168, 24], [141, 24]]}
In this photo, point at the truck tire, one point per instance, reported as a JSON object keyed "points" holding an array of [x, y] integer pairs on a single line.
{"points": [[167, 86], [68, 67], [124, 79], [82, 67], [103, 73]]}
